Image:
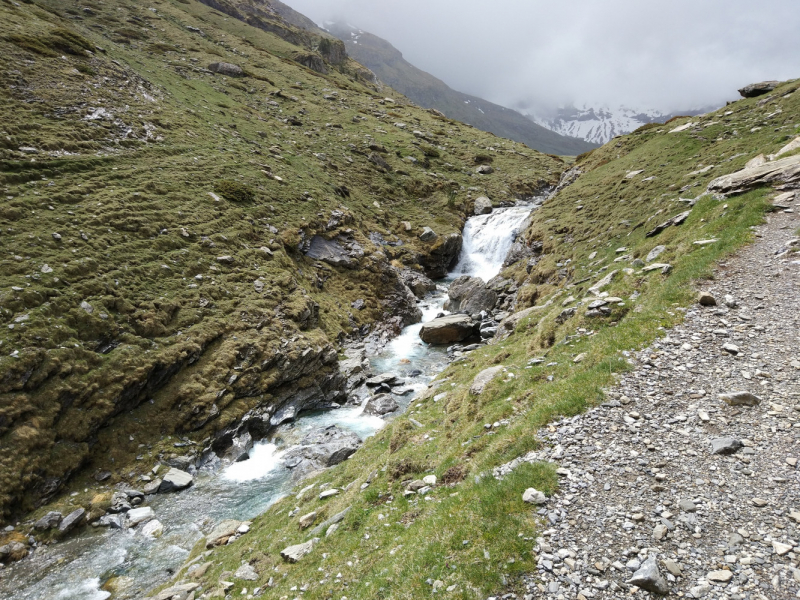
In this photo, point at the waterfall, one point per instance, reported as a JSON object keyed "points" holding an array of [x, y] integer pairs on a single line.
{"points": [[487, 240]]}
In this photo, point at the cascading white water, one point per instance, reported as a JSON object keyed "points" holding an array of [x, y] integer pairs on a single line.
{"points": [[487, 240], [244, 490]]}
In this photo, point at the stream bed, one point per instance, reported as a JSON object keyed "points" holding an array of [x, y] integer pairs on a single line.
{"points": [[76, 569]]}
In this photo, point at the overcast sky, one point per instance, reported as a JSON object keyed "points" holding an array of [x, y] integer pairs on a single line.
{"points": [[662, 54]]}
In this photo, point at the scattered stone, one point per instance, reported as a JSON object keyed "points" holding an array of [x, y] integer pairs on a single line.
{"points": [[483, 379], [722, 576], [731, 348], [139, 515], [485, 170], [726, 445], [534, 496], [649, 578], [246, 572], [329, 493], [740, 399], [655, 253], [706, 299], [50, 521], [294, 553], [428, 235], [228, 69], [223, 531], [781, 548]]}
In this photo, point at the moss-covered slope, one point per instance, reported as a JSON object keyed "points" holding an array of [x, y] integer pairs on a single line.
{"points": [[155, 212]]}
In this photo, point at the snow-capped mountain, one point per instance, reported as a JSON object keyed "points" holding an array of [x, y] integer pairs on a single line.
{"points": [[599, 125]]}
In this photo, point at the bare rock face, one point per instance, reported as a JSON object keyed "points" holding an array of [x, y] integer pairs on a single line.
{"points": [[339, 252], [442, 256], [471, 295], [447, 330], [758, 89], [227, 69], [784, 172]]}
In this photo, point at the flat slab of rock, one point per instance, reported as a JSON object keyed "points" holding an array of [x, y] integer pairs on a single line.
{"points": [[72, 520], [49, 521], [294, 553], [785, 171], [337, 518], [175, 480], [339, 252], [222, 532], [483, 379], [387, 378], [447, 330], [726, 445]]}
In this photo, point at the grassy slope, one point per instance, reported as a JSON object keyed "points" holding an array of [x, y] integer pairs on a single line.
{"points": [[128, 192], [423, 88], [475, 533]]}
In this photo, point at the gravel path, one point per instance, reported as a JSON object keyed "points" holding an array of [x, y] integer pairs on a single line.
{"points": [[639, 478]]}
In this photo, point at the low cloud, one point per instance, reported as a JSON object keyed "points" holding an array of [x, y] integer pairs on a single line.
{"points": [[534, 55]]}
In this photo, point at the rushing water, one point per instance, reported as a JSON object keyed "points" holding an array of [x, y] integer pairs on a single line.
{"points": [[77, 568]]}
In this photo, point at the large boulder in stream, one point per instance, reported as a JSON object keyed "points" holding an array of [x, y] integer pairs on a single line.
{"points": [[470, 295], [448, 330], [442, 256], [417, 282], [380, 405], [321, 448]]}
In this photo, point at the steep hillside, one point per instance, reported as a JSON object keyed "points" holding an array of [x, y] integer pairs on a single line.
{"points": [[199, 201], [388, 64], [607, 264]]}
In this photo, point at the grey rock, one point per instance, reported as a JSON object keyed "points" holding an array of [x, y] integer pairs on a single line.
{"points": [[758, 89], [72, 520], [139, 515], [321, 448], [442, 256], [294, 553], [175, 480], [50, 521], [239, 450], [471, 295], [227, 69], [447, 330], [483, 206], [726, 445], [380, 405], [337, 518], [674, 221], [655, 253], [484, 170], [417, 282], [534, 496], [428, 235], [222, 532], [649, 578], [483, 379], [706, 299], [783, 172], [112, 521], [246, 572], [340, 252], [384, 378]]}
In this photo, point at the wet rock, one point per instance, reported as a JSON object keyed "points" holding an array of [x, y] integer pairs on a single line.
{"points": [[380, 405], [483, 206], [383, 378], [447, 330], [321, 448], [649, 578], [758, 89], [240, 449], [471, 295], [442, 256], [153, 529], [175, 480], [340, 252], [152, 487], [112, 521], [483, 379], [72, 520], [50, 521], [417, 282], [222, 532], [228, 69], [139, 515], [294, 553]]}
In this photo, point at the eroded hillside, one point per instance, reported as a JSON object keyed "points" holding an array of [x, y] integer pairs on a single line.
{"points": [[160, 210]]}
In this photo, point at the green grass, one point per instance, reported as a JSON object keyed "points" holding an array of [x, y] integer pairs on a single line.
{"points": [[487, 513]]}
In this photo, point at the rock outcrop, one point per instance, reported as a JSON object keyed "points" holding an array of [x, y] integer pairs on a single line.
{"points": [[470, 295], [781, 174], [758, 89], [442, 256]]}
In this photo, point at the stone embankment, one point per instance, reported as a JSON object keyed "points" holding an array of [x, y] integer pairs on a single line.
{"points": [[685, 480]]}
